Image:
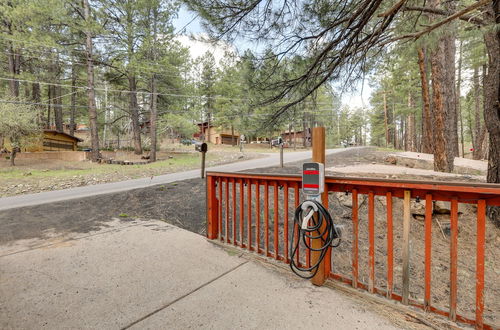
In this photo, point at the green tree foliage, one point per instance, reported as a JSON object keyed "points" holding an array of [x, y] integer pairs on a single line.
{"points": [[18, 124]]}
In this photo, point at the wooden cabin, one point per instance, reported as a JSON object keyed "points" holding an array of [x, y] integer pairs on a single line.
{"points": [[51, 140], [218, 135]]}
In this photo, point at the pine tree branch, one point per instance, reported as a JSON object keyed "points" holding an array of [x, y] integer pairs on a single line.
{"points": [[448, 19], [467, 18], [393, 9]]}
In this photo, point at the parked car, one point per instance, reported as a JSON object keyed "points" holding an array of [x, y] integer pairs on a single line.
{"points": [[188, 142]]}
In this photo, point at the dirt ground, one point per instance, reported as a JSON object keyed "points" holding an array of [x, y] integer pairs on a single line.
{"points": [[183, 204]]}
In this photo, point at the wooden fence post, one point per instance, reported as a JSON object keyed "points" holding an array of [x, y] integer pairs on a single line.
{"points": [[406, 246], [212, 209], [318, 139]]}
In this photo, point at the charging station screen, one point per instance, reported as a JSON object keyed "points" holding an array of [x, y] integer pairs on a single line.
{"points": [[312, 182]]}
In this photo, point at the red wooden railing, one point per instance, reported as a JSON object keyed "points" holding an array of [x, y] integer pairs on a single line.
{"points": [[222, 225]]}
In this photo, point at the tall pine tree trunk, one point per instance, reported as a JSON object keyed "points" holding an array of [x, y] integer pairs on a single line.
{"points": [[411, 128], [134, 114], [442, 161], [73, 100], [479, 130], [37, 99], [449, 85], [386, 120], [458, 89], [153, 117], [58, 114], [491, 99], [232, 136], [50, 95], [443, 100], [94, 135], [14, 65]]}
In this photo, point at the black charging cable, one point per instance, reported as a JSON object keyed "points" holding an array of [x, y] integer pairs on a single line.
{"points": [[328, 235]]}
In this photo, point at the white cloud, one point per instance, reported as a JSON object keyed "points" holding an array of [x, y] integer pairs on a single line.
{"points": [[198, 47]]}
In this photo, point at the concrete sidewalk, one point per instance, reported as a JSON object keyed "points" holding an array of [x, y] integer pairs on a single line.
{"points": [[152, 275], [107, 188]]}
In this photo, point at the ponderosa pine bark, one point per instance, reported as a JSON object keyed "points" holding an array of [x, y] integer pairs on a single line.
{"points": [[14, 64], [73, 101], [492, 99], [153, 119], [36, 97], [442, 162], [58, 112], [449, 85], [134, 114], [94, 135], [443, 101], [479, 130], [459, 107]]}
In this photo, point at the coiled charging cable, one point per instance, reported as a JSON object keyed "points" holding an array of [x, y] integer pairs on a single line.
{"points": [[310, 228]]}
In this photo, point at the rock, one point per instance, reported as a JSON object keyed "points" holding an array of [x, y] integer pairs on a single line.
{"points": [[441, 207], [418, 208], [345, 200], [419, 217], [346, 215], [391, 160]]}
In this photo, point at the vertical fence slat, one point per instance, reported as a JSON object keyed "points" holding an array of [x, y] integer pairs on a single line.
{"points": [[257, 215], [212, 230], [242, 212], [328, 256], [266, 217], [234, 210], [285, 226], [390, 246], [481, 223], [428, 250], [219, 182], [371, 240], [406, 246], [355, 238], [296, 230], [249, 214], [453, 258], [276, 217], [227, 211]]}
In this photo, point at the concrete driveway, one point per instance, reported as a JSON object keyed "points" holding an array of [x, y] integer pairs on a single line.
{"points": [[152, 275]]}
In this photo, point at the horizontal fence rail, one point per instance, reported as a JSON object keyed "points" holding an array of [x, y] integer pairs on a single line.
{"points": [[255, 212]]}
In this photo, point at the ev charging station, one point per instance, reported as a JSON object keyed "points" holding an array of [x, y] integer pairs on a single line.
{"points": [[313, 228]]}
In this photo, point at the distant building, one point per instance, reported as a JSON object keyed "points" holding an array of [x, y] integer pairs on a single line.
{"points": [[51, 140], [218, 135], [298, 137]]}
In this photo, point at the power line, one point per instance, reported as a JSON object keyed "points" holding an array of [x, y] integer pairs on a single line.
{"points": [[110, 107], [97, 62], [220, 97]]}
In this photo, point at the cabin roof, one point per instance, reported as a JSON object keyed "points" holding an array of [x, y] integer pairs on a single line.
{"points": [[62, 133]]}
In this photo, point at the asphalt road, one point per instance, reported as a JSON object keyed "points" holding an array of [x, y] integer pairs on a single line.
{"points": [[106, 188]]}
